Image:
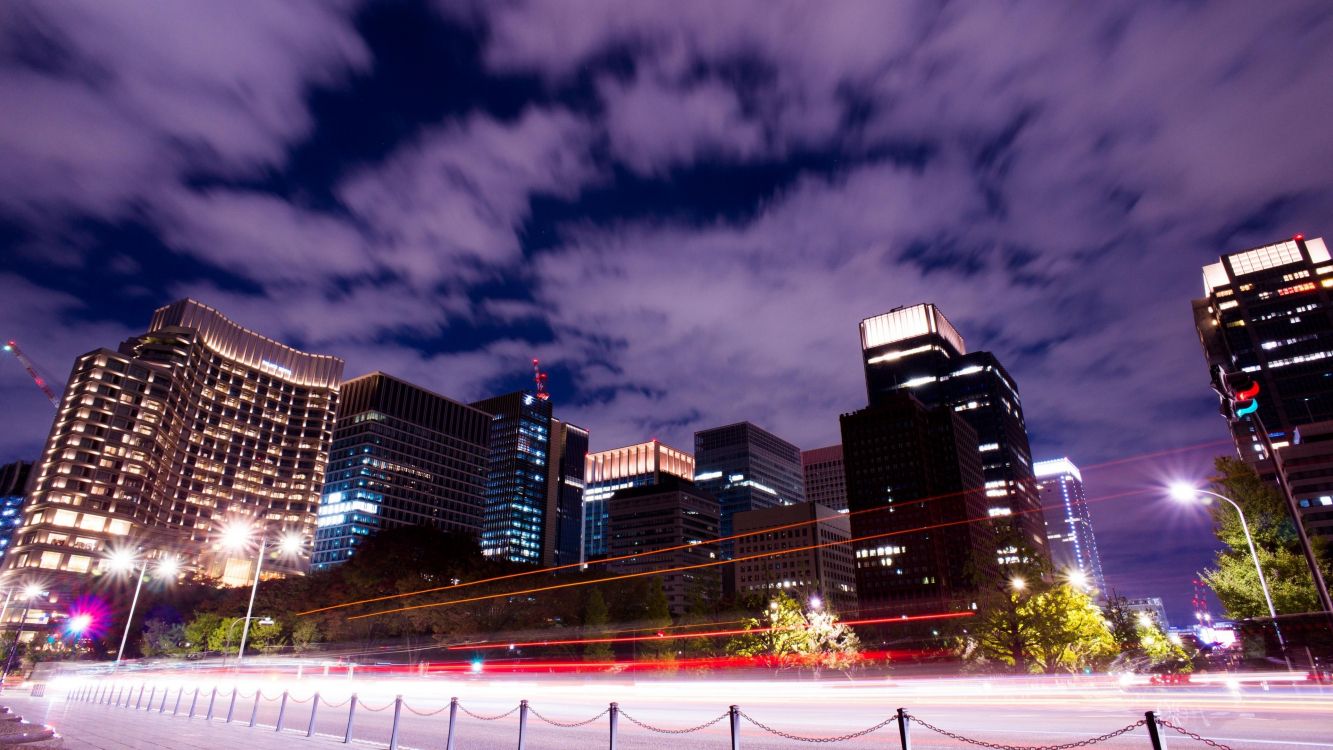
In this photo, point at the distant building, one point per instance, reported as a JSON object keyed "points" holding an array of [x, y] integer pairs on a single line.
{"points": [[1308, 465], [825, 480], [563, 540], [916, 350], [514, 516], [1267, 313], [746, 467], [402, 456], [1151, 606], [914, 491], [1069, 533], [821, 561], [13, 486], [671, 514], [196, 425], [608, 472]]}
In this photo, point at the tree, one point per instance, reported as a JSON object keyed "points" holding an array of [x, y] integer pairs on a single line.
{"points": [[1235, 580], [594, 626], [789, 636], [1040, 628], [658, 619], [304, 635], [198, 631], [161, 638]]}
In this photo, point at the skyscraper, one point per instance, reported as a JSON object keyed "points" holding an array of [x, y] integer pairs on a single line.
{"points": [[610, 471], [825, 480], [673, 514], [820, 561], [1267, 313], [197, 424], [13, 486], [1069, 533], [914, 491], [402, 456], [563, 542], [746, 467], [916, 350], [514, 522]]}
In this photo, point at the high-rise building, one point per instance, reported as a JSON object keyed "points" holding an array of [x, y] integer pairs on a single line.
{"points": [[746, 467], [1069, 535], [13, 490], [514, 521], [1308, 466], [193, 426], [914, 492], [401, 456], [673, 514], [1267, 312], [916, 350], [825, 480], [820, 561], [563, 542], [1152, 607], [610, 471]]}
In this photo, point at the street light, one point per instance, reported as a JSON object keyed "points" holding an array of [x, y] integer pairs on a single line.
{"points": [[1186, 493], [236, 537], [1017, 583], [1078, 579], [124, 561], [30, 591]]}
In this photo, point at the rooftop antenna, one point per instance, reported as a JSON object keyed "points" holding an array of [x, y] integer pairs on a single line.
{"points": [[539, 378]]}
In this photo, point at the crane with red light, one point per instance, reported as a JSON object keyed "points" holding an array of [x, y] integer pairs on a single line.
{"points": [[539, 378], [13, 347]]}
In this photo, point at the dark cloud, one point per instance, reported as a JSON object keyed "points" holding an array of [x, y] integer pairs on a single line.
{"points": [[684, 208]]}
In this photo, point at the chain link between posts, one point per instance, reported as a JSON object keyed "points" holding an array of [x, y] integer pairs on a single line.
{"points": [[660, 730], [294, 699], [568, 725], [999, 746], [489, 718], [366, 706], [1191, 735], [411, 710], [325, 701], [840, 738]]}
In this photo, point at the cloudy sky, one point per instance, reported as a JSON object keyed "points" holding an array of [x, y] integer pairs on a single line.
{"points": [[684, 208]]}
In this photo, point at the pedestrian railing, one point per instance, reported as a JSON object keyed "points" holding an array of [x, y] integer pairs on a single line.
{"points": [[121, 695]]}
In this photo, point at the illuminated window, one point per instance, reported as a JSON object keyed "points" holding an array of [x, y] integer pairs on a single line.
{"points": [[64, 518]]}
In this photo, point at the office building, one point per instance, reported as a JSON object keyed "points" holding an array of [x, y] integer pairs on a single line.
{"points": [[195, 426], [563, 542], [672, 514], [1308, 466], [1069, 536], [13, 490], [914, 492], [916, 350], [608, 472], [1267, 314], [513, 525], [1152, 607], [746, 468], [825, 480], [401, 456], [820, 561]]}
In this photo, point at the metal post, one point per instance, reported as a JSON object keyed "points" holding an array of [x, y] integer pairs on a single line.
{"points": [[314, 709], [139, 700], [453, 720], [163, 708], [231, 707], [254, 712], [615, 722], [1155, 732], [254, 588], [129, 620], [351, 714], [176, 709], [193, 702], [397, 711], [151, 694], [212, 698], [735, 712], [522, 723], [903, 736], [282, 711]]}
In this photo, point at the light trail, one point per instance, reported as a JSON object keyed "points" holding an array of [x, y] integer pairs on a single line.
{"points": [[733, 561]]}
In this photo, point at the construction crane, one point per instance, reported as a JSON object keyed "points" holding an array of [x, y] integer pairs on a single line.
{"points": [[12, 346], [539, 378]]}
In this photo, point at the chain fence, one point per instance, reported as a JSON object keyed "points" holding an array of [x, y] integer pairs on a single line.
{"points": [[130, 696]]}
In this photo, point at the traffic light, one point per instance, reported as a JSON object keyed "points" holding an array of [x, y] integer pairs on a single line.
{"points": [[1238, 393]]}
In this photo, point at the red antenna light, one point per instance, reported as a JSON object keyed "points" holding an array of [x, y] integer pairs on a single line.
{"points": [[539, 378], [1299, 238]]}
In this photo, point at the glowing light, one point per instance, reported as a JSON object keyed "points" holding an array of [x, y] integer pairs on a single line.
{"points": [[32, 591], [122, 560], [1078, 579], [1017, 583], [169, 567], [291, 543], [1145, 619], [79, 623], [1248, 393], [1185, 493], [816, 602], [236, 536], [1245, 411]]}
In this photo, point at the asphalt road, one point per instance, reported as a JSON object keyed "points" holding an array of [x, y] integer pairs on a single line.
{"points": [[1017, 711]]}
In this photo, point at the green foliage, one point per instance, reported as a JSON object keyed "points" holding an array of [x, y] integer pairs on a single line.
{"points": [[594, 626], [199, 630], [161, 638], [305, 633], [794, 637], [1041, 629], [658, 618]]}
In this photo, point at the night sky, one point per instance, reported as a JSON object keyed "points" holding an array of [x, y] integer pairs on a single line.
{"points": [[684, 208]]}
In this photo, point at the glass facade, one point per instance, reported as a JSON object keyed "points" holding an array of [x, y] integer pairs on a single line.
{"points": [[514, 514], [1068, 522], [564, 538], [13, 484], [746, 467], [608, 472]]}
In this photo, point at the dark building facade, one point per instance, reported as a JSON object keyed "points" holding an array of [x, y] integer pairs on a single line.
{"points": [[13, 489], [563, 541], [1308, 466], [820, 561], [746, 467], [1267, 315], [402, 456], [825, 479], [607, 472], [514, 521], [673, 513], [913, 488], [916, 350]]}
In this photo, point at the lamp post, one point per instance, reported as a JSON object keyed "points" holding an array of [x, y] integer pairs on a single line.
{"points": [[123, 561], [236, 537], [1189, 494], [30, 592]]}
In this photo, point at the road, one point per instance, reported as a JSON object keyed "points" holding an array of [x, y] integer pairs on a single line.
{"points": [[1020, 711]]}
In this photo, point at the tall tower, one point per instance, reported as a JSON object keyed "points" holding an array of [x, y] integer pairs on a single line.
{"points": [[916, 350], [746, 467], [1068, 522], [610, 471], [514, 519]]}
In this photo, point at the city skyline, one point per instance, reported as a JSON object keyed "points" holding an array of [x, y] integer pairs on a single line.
{"points": [[683, 215]]}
